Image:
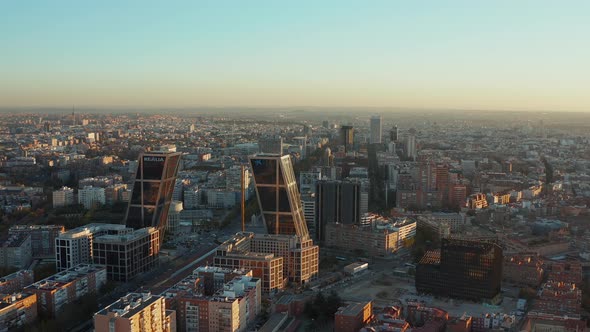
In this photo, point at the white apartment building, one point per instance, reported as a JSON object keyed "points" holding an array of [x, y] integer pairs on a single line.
{"points": [[63, 197], [91, 197]]}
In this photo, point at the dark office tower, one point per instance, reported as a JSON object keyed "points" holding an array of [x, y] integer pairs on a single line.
{"points": [[278, 196], [469, 269], [152, 190], [347, 137], [325, 124], [393, 134], [337, 201]]}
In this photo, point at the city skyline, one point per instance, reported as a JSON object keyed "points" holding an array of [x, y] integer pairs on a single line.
{"points": [[460, 55]]}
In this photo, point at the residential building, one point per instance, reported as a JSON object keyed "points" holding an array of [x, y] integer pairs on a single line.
{"points": [[212, 278], [136, 312], [67, 286], [353, 317], [16, 251], [457, 221], [42, 238], [235, 254], [17, 310], [523, 269], [477, 201], [91, 197], [63, 197], [15, 282], [280, 258], [232, 306], [375, 240]]}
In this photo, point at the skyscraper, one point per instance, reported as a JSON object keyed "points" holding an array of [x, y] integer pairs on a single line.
{"points": [[152, 190], [336, 202], [376, 129], [393, 134], [411, 152], [347, 137], [278, 196]]}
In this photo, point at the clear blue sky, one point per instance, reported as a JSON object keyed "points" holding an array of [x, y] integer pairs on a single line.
{"points": [[428, 54]]}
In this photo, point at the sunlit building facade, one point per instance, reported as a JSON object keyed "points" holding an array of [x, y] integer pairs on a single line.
{"points": [[278, 196], [152, 190]]}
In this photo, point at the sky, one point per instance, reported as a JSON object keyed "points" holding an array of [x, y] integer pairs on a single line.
{"points": [[505, 55]]}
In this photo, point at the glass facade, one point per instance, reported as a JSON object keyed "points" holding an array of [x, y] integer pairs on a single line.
{"points": [[467, 269], [278, 197], [152, 190]]}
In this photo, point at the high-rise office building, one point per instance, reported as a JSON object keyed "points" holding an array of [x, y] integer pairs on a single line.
{"points": [[278, 196], [127, 255], [394, 134], [347, 137], [469, 269], [152, 190], [376, 129], [411, 152], [336, 202], [74, 247]]}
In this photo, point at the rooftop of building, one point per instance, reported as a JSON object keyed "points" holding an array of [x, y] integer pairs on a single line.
{"points": [[252, 255], [63, 278], [14, 240], [130, 304], [431, 257], [352, 309], [92, 228], [356, 265], [127, 237], [523, 259], [7, 300], [35, 227], [275, 322], [15, 275], [216, 269]]}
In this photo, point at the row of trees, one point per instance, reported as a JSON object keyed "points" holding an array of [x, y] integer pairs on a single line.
{"points": [[322, 309]]}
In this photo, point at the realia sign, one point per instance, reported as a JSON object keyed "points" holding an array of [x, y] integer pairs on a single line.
{"points": [[153, 159]]}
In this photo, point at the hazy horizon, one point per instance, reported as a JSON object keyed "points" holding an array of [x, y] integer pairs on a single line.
{"points": [[456, 55]]}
